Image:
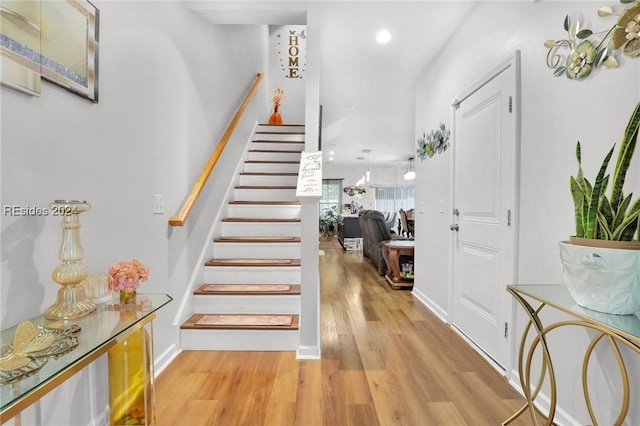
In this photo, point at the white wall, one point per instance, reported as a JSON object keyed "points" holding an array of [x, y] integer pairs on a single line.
{"points": [[169, 84], [293, 82], [556, 112], [384, 175]]}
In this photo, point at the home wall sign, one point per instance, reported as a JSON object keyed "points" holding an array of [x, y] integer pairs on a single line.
{"points": [[56, 40], [292, 50]]}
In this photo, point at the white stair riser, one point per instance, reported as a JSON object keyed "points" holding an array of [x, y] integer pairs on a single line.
{"points": [[272, 128], [249, 304], [271, 167], [264, 211], [274, 156], [260, 229], [278, 146], [267, 180], [260, 194], [256, 250], [285, 137], [252, 274], [239, 340]]}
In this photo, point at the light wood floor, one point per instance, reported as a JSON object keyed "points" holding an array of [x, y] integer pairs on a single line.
{"points": [[386, 360]]}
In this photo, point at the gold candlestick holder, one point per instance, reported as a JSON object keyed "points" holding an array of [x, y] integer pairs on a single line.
{"points": [[71, 301]]}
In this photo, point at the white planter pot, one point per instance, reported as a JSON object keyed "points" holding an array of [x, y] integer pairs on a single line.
{"points": [[602, 279]]}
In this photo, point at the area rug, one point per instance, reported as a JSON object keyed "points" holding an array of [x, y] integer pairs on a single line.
{"points": [[330, 244], [253, 288], [244, 320]]}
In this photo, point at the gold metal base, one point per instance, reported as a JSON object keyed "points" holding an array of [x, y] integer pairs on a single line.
{"points": [[71, 303], [539, 333]]}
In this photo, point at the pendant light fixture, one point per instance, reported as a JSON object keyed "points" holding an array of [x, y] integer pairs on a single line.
{"points": [[410, 174], [367, 151]]}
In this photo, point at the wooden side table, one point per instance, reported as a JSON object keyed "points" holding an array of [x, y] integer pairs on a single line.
{"points": [[391, 251]]}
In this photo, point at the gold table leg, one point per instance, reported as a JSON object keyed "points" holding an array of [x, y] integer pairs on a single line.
{"points": [[524, 365]]}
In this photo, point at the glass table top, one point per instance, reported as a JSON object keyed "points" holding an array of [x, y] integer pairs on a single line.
{"points": [[98, 330], [558, 296]]}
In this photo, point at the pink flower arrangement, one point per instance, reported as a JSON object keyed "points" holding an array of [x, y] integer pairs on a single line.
{"points": [[128, 274]]}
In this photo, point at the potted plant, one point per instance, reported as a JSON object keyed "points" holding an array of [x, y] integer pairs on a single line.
{"points": [[601, 263], [329, 220]]}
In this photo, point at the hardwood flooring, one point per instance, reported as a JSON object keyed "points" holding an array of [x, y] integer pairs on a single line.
{"points": [[386, 360]]}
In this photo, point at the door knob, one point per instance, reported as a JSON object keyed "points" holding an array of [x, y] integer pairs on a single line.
{"points": [[454, 227]]}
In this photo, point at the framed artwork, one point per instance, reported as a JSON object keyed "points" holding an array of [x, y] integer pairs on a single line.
{"points": [[57, 40], [20, 45], [69, 46]]}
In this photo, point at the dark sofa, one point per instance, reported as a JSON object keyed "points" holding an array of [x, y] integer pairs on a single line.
{"points": [[374, 233]]}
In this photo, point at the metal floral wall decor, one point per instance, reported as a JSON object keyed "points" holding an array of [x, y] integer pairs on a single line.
{"points": [[436, 142], [588, 51]]}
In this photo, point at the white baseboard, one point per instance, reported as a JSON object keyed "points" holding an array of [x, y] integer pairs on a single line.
{"points": [[426, 301], [102, 419], [308, 352], [561, 418], [166, 358]]}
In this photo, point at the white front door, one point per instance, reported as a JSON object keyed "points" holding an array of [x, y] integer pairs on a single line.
{"points": [[483, 228]]}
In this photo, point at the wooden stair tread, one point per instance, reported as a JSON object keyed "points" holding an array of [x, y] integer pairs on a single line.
{"points": [[276, 141], [257, 240], [259, 220], [265, 187], [276, 151], [278, 133], [272, 162], [267, 174], [266, 203], [243, 262], [245, 290], [281, 125], [198, 321]]}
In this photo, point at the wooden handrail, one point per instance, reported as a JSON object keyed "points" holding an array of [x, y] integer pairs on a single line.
{"points": [[191, 199]]}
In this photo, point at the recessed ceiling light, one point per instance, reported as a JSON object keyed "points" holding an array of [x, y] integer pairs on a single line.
{"points": [[331, 152], [383, 36], [330, 158]]}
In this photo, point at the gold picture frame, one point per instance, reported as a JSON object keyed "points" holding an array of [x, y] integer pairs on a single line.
{"points": [[59, 42], [69, 46], [20, 45]]}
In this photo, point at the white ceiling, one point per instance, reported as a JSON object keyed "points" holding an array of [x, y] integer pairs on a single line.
{"points": [[367, 89]]}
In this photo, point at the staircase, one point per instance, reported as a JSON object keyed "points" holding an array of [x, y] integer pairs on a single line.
{"points": [[251, 296]]}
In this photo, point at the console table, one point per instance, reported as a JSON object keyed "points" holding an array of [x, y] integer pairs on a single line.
{"points": [[99, 332], [391, 251], [615, 329]]}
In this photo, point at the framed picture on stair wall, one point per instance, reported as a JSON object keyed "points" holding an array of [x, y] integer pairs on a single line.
{"points": [[20, 45], [69, 46]]}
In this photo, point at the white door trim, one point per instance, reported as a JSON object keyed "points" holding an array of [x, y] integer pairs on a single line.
{"points": [[513, 61]]}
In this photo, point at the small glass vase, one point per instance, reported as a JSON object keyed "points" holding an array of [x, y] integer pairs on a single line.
{"points": [[275, 117]]}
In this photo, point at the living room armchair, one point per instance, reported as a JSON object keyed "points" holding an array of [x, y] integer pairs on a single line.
{"points": [[374, 233]]}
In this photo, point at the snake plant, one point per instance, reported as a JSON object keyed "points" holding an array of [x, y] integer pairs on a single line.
{"points": [[616, 217]]}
